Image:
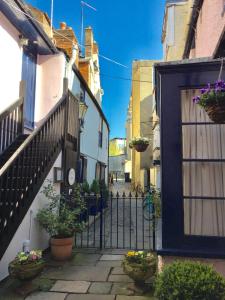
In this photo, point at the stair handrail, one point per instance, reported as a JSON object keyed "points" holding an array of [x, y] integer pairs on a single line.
{"points": [[11, 107], [4, 168]]}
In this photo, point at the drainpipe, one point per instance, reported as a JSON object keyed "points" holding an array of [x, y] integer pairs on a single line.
{"points": [[69, 65]]}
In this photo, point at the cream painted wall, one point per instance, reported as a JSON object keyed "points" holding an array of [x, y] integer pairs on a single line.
{"points": [[49, 83], [38, 238], [10, 62]]}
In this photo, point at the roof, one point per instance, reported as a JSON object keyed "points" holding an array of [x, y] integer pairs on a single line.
{"points": [[17, 12]]}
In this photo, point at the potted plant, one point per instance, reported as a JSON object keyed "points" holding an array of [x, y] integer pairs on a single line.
{"points": [[77, 201], [26, 266], [212, 100], [140, 266], [140, 144], [61, 222]]}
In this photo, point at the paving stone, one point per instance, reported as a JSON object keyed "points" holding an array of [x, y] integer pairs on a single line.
{"points": [[85, 259], [119, 278], [123, 297], [100, 288], [109, 263], [117, 271], [90, 297], [78, 287], [112, 257], [47, 296], [121, 289], [81, 273]]}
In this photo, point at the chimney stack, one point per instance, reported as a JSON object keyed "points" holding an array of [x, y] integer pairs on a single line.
{"points": [[62, 25], [89, 41]]}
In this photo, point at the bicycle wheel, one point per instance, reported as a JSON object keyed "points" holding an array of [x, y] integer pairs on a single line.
{"points": [[148, 210]]}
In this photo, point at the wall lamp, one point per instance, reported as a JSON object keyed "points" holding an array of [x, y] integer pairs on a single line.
{"points": [[23, 41], [82, 112]]}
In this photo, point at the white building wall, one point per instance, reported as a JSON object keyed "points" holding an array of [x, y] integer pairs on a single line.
{"points": [[38, 237], [89, 143], [10, 62]]}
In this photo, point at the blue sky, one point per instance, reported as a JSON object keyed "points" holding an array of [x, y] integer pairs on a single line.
{"points": [[125, 30]]}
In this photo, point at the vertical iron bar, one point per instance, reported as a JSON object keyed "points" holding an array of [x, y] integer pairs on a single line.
{"points": [[101, 221], [88, 211], [130, 217], [111, 220], [117, 220], [136, 196], [123, 199], [143, 224], [153, 230]]}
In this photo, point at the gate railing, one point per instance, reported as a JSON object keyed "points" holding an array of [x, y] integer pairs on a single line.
{"points": [[11, 124], [118, 221]]}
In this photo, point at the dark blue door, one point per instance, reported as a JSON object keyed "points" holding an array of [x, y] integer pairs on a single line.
{"points": [[29, 76]]}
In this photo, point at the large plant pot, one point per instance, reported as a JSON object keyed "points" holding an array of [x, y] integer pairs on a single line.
{"points": [[61, 249], [26, 271], [216, 112], [141, 147], [138, 273]]}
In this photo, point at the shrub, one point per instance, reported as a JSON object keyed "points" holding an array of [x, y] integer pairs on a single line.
{"points": [[189, 281], [85, 187], [95, 188]]}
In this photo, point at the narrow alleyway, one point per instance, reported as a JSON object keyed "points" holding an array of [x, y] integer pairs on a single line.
{"points": [[90, 275]]}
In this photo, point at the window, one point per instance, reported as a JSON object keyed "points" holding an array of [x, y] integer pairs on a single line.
{"points": [[83, 169], [100, 134], [98, 171]]}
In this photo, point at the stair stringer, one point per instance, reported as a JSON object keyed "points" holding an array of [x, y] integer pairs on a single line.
{"points": [[38, 237]]}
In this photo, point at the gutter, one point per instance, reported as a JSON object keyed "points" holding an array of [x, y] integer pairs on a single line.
{"points": [[192, 27]]}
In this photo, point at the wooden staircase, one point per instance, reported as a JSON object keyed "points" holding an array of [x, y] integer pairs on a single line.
{"points": [[25, 163]]}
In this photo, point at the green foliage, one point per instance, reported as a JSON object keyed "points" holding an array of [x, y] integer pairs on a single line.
{"points": [[85, 187], [156, 199], [139, 141], [58, 218], [104, 189], [189, 281], [212, 98], [95, 188]]}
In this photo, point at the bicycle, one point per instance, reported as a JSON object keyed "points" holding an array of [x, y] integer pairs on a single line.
{"points": [[148, 207]]}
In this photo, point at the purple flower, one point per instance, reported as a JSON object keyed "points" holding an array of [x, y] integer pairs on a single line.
{"points": [[203, 91], [196, 99]]}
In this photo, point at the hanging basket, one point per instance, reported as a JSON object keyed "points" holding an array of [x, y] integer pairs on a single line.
{"points": [[216, 112], [141, 147]]}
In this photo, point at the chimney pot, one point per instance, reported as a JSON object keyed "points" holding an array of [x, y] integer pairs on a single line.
{"points": [[63, 25]]}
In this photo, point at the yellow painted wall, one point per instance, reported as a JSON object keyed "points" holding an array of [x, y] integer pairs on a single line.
{"points": [[117, 147], [141, 96]]}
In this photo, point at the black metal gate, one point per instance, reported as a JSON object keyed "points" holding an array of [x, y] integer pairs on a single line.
{"points": [[118, 222]]}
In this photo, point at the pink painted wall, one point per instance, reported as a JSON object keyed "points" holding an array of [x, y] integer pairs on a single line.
{"points": [[211, 23], [10, 62], [49, 84]]}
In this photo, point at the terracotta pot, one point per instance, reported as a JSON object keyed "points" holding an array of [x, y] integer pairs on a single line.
{"points": [[61, 249], [140, 147]]}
